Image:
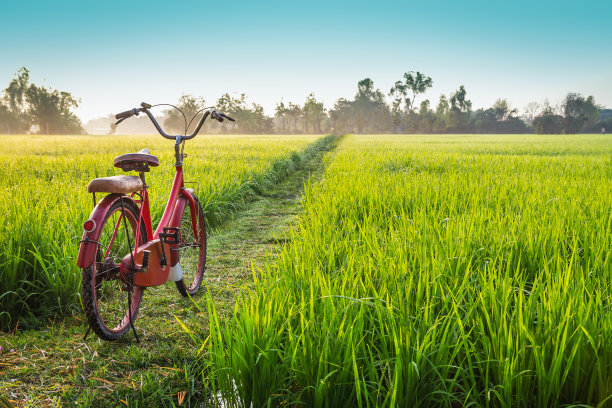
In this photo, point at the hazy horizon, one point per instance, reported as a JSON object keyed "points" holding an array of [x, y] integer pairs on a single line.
{"points": [[114, 55]]}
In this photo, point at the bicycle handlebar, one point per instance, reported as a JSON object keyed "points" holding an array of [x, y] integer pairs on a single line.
{"points": [[145, 108]]}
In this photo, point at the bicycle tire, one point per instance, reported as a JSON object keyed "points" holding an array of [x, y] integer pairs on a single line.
{"points": [[192, 257], [103, 291]]}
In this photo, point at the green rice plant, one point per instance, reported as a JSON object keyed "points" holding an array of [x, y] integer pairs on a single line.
{"points": [[435, 271], [45, 202]]}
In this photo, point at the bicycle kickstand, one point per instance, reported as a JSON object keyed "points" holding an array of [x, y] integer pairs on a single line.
{"points": [[86, 333], [130, 308]]}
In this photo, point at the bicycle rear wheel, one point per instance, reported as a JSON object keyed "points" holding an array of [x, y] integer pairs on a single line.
{"points": [[192, 249], [105, 294]]}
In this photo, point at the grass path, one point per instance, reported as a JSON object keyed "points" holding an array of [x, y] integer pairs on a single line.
{"points": [[55, 367]]}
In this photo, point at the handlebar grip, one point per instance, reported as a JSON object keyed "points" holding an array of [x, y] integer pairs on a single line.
{"points": [[227, 117], [217, 116], [126, 114]]}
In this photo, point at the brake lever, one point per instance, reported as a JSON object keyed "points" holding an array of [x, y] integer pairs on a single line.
{"points": [[119, 121]]}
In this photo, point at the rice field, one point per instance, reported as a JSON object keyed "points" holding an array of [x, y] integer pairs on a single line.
{"points": [[45, 202], [434, 271]]}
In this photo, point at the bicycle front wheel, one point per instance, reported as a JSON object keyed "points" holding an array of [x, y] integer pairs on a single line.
{"points": [[105, 294], [192, 249]]}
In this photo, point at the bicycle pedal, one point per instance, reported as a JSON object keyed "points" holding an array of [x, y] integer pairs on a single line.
{"points": [[171, 235], [145, 261]]}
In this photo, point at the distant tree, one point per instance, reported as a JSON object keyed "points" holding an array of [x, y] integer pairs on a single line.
{"points": [[15, 93], [249, 119], [237, 109], [458, 101], [530, 112], [406, 92], [441, 115], [369, 109], [502, 111], [340, 117], [578, 111], [294, 114], [258, 121], [281, 115], [426, 118], [459, 111], [313, 113], [49, 109], [28, 106], [190, 105], [500, 118], [11, 122], [604, 120], [548, 121]]}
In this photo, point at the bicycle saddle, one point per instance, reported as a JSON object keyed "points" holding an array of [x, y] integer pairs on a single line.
{"points": [[137, 161], [116, 184]]}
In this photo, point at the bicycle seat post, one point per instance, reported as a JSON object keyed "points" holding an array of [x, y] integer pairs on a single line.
{"points": [[142, 177]]}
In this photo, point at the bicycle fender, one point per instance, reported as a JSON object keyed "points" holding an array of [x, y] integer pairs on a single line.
{"points": [[89, 241], [186, 193], [175, 221]]}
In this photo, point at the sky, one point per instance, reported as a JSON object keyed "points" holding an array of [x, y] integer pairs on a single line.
{"points": [[115, 54]]}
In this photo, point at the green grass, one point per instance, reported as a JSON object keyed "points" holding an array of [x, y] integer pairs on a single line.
{"points": [[434, 271], [45, 202], [52, 366]]}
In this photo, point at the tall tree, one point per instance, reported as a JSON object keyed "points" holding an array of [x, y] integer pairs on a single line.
{"points": [[414, 84]]}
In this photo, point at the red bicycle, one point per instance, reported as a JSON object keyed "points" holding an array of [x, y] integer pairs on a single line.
{"points": [[119, 253]]}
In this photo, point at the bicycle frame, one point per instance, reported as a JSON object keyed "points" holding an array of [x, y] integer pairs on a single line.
{"points": [[162, 255]]}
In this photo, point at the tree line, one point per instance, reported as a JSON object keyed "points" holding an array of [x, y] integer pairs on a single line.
{"points": [[369, 112], [28, 108]]}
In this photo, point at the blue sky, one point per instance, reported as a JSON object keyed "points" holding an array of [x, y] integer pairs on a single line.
{"points": [[115, 54]]}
